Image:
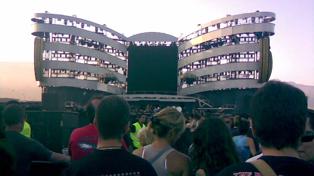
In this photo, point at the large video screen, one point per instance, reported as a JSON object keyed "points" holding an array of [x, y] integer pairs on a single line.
{"points": [[152, 69]]}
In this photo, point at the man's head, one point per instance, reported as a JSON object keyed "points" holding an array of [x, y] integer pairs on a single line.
{"points": [[306, 150], [95, 101], [243, 126], [112, 117], [278, 114], [142, 119], [13, 116], [228, 119]]}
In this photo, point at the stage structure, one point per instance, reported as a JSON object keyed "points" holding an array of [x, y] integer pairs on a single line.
{"points": [[76, 58], [152, 63], [228, 57]]}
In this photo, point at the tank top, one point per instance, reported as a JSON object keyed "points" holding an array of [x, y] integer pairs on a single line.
{"points": [[241, 143], [157, 158]]}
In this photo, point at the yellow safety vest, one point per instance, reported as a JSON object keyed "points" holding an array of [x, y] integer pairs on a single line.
{"points": [[27, 131], [135, 140]]}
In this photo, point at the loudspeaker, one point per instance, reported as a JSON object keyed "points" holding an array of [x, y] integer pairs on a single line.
{"points": [[52, 101], [53, 129]]}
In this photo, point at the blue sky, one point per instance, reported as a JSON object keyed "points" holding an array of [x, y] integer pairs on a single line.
{"points": [[292, 45]]}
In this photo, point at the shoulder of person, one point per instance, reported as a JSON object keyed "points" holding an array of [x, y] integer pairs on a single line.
{"points": [[291, 161], [78, 132], [178, 155], [256, 157], [138, 152], [177, 159], [250, 138], [28, 141], [75, 132], [82, 164], [14, 135], [146, 167], [238, 169], [178, 163], [136, 155]]}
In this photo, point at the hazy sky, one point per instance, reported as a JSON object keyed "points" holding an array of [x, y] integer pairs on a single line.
{"points": [[24, 86], [292, 45]]}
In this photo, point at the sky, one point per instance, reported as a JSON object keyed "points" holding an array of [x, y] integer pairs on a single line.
{"points": [[292, 45], [24, 86]]}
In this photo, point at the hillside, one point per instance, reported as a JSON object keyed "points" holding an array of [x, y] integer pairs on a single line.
{"points": [[17, 80]]}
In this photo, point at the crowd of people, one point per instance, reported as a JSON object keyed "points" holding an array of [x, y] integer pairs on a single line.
{"points": [[276, 138]]}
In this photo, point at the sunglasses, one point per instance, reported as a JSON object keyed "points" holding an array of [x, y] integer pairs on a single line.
{"points": [[308, 136]]}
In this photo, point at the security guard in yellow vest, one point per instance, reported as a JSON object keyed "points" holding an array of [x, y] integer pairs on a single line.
{"points": [[135, 129], [27, 131]]}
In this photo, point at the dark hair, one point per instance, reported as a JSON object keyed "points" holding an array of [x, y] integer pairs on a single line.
{"points": [[142, 116], [13, 114], [112, 116], [213, 148], [243, 126], [90, 110], [278, 114], [310, 115], [196, 115]]}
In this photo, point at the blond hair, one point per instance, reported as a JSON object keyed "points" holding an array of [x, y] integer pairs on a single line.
{"points": [[166, 120], [146, 136]]}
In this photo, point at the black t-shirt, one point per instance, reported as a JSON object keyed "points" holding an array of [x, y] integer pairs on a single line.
{"points": [[283, 166], [7, 158], [26, 150], [111, 162]]}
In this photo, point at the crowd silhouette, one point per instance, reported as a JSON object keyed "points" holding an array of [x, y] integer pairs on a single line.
{"points": [[275, 138]]}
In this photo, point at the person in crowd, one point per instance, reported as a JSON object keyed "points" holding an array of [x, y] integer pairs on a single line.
{"points": [[7, 155], [213, 148], [7, 159], [146, 135], [2, 126], [127, 142], [135, 129], [184, 142], [26, 149], [278, 121], [306, 150], [26, 131], [244, 144], [229, 120], [195, 120], [167, 126], [112, 121], [84, 140]]}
